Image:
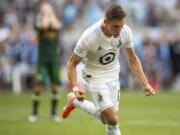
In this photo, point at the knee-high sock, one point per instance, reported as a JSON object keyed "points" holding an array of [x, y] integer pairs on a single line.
{"points": [[112, 130], [35, 103], [88, 107], [54, 102]]}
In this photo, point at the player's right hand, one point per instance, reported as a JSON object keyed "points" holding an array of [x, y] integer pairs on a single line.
{"points": [[148, 90], [79, 94]]}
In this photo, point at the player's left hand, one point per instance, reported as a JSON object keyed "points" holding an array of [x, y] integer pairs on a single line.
{"points": [[148, 90]]}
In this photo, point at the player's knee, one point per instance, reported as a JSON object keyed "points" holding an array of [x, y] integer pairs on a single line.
{"points": [[39, 87], [109, 116], [55, 95], [36, 94], [113, 120], [55, 87]]}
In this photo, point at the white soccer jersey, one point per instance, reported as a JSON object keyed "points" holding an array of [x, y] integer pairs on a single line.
{"points": [[100, 53]]}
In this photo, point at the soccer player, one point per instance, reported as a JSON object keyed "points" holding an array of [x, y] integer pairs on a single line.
{"points": [[47, 27], [98, 48]]}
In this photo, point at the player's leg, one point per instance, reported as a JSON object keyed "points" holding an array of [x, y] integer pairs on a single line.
{"points": [[40, 76], [110, 118], [109, 115], [92, 108], [85, 105], [105, 105], [88, 107], [54, 74], [35, 103], [54, 98], [54, 102], [101, 101]]}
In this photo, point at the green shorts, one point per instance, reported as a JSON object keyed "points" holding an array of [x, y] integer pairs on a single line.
{"points": [[47, 70]]}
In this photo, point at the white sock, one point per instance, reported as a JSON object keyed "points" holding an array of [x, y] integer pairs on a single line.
{"points": [[112, 130], [88, 107]]}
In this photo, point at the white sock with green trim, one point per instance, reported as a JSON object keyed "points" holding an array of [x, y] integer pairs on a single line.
{"points": [[112, 130], [88, 107]]}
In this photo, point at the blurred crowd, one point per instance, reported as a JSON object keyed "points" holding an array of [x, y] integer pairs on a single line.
{"points": [[155, 25]]}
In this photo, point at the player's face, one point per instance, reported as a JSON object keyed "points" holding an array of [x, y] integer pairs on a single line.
{"points": [[114, 27], [46, 9]]}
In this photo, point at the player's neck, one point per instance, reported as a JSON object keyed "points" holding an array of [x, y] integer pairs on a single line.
{"points": [[105, 31]]}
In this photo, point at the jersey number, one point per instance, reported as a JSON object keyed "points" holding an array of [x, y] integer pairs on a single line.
{"points": [[107, 58]]}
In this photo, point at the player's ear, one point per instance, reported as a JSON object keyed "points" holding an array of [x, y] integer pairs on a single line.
{"points": [[105, 22]]}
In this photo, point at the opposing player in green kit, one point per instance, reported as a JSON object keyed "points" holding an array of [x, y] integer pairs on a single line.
{"points": [[47, 27]]}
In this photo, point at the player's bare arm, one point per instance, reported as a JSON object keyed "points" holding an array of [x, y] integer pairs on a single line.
{"points": [[72, 74], [55, 23], [136, 68], [43, 22]]}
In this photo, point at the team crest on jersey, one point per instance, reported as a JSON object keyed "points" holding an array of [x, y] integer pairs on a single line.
{"points": [[79, 50]]}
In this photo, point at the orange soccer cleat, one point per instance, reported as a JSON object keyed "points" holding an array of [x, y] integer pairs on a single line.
{"points": [[70, 105]]}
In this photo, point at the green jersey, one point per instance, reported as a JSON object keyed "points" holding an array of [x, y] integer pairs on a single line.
{"points": [[48, 48], [48, 65]]}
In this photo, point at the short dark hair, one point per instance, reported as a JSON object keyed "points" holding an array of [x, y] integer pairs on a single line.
{"points": [[115, 11]]}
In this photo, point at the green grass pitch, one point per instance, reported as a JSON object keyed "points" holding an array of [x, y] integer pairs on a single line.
{"points": [[139, 115]]}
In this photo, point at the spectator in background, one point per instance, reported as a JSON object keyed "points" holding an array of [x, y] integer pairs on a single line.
{"points": [[23, 54], [164, 54], [175, 59], [4, 61], [47, 27]]}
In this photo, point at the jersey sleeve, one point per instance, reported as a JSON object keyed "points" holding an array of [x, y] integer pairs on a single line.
{"points": [[81, 48], [129, 38]]}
